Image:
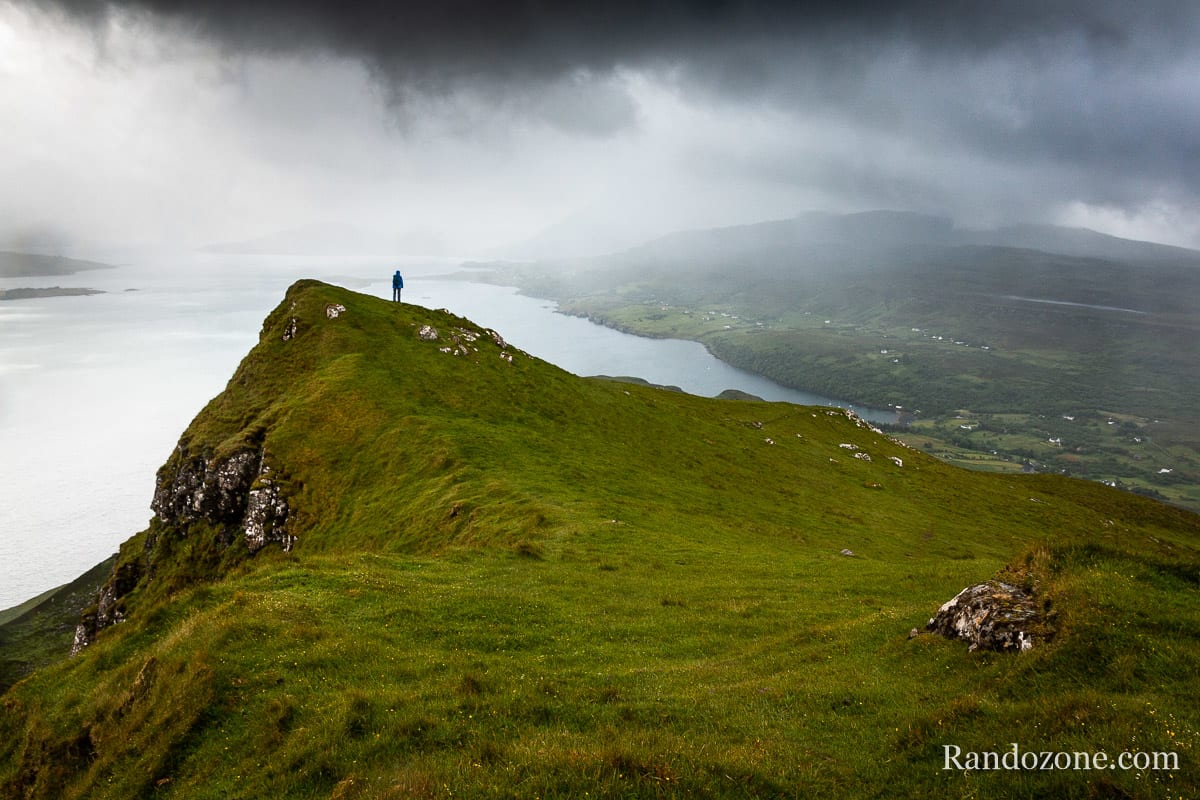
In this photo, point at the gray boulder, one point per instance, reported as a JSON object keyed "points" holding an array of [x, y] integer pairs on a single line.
{"points": [[992, 616]]}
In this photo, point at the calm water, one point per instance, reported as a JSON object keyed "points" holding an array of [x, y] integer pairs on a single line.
{"points": [[95, 391]]}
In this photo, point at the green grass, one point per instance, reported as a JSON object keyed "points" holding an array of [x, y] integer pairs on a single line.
{"points": [[939, 336], [511, 582], [40, 630]]}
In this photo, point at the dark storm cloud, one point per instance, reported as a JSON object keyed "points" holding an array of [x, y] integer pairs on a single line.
{"points": [[437, 43], [1091, 101]]}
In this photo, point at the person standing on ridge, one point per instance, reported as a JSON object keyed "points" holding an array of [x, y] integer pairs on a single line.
{"points": [[397, 285]]}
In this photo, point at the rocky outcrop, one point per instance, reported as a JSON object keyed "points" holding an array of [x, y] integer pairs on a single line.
{"points": [[236, 494], [109, 608], [190, 488], [266, 514], [991, 616]]}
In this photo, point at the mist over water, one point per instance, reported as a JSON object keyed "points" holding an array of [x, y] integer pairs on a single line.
{"points": [[95, 391]]}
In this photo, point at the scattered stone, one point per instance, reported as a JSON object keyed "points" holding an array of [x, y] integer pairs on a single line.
{"points": [[992, 616], [445, 349], [769, 440], [848, 553], [428, 333], [860, 422], [846, 446], [896, 460], [862, 456], [334, 310], [497, 338], [463, 333], [914, 633], [290, 332]]}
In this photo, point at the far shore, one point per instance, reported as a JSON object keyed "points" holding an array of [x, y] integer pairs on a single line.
{"points": [[53, 291], [28, 265]]}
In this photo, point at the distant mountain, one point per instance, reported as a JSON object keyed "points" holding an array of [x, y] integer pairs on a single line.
{"points": [[22, 265], [334, 239], [1082, 242], [875, 232], [867, 231], [54, 291]]}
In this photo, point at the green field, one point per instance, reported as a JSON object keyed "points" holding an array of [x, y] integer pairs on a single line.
{"points": [[507, 581]]}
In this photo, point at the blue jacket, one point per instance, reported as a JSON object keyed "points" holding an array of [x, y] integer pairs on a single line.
{"points": [[397, 281]]}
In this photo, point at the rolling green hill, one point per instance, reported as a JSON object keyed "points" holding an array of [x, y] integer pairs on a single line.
{"points": [[390, 565], [998, 346]]}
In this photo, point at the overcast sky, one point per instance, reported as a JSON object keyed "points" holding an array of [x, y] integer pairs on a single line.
{"points": [[482, 124]]}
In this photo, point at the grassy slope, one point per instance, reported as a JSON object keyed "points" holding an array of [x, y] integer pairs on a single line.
{"points": [[513, 582], [870, 335], [38, 631]]}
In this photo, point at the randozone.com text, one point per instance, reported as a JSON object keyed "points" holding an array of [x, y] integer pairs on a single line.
{"points": [[1016, 759]]}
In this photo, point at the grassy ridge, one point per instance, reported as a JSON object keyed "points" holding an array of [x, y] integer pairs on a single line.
{"points": [[512, 582]]}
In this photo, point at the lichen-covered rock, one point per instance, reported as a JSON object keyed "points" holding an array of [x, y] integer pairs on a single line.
{"points": [[237, 493], [266, 515], [216, 490], [470, 336], [992, 616], [109, 608], [85, 633]]}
